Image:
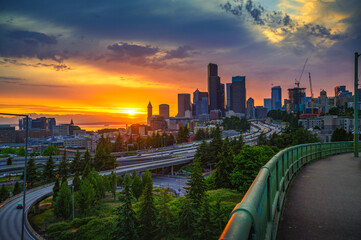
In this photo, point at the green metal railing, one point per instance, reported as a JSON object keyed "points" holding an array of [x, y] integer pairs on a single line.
{"points": [[257, 216]]}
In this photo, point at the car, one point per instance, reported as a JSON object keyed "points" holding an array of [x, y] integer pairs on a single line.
{"points": [[19, 206]]}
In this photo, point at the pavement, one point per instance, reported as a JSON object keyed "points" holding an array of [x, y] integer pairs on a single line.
{"points": [[324, 201]]}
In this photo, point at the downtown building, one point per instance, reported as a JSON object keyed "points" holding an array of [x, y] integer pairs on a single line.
{"points": [[215, 89], [200, 104], [184, 105], [276, 94], [238, 94], [251, 111]]}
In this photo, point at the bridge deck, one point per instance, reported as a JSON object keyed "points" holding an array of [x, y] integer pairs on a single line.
{"points": [[324, 201]]}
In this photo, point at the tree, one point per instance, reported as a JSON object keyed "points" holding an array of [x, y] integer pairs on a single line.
{"points": [[137, 187], [187, 216], [76, 182], [97, 181], [56, 189], [50, 151], [164, 216], [86, 171], [248, 164], [219, 217], [183, 134], [215, 145], [237, 145], [63, 204], [262, 139], [17, 188], [235, 123], [126, 222], [224, 167], [75, 166], [202, 153], [31, 172], [103, 160], [9, 161], [204, 224], [85, 197], [147, 213], [118, 145], [48, 172], [197, 187], [63, 166], [113, 183], [4, 193], [340, 134], [85, 161]]}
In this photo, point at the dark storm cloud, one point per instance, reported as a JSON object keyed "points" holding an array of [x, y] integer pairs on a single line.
{"points": [[125, 50], [57, 67]]}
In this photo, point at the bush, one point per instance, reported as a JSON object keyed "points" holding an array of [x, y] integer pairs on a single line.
{"points": [[97, 229], [78, 222], [58, 227]]}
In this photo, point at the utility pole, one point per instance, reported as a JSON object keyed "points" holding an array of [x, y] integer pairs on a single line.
{"points": [[356, 130]]}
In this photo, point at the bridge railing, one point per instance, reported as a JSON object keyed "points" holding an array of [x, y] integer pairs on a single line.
{"points": [[257, 216]]}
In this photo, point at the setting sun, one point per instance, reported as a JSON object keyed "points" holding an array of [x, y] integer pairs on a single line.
{"points": [[131, 112]]}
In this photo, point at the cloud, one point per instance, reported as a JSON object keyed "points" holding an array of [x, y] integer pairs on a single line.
{"points": [[180, 53], [57, 67], [125, 50]]}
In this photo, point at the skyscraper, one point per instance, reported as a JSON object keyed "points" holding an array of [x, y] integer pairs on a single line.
{"points": [[200, 103], [184, 103], [267, 103], [164, 110], [250, 108], [221, 96], [150, 112], [228, 88], [238, 94], [276, 98], [214, 88]]}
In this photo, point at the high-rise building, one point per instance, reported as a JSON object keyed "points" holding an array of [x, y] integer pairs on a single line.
{"points": [[228, 88], [214, 88], [200, 103], [164, 110], [267, 103], [339, 90], [184, 103], [250, 108], [261, 112], [276, 98], [41, 123], [297, 99], [238, 94], [150, 113], [222, 96]]}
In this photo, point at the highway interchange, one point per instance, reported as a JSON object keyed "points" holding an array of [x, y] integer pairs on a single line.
{"points": [[11, 218]]}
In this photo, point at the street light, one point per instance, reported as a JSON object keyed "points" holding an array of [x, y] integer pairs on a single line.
{"points": [[26, 163], [356, 106]]}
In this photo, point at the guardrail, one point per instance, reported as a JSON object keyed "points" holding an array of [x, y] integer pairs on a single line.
{"points": [[257, 216]]}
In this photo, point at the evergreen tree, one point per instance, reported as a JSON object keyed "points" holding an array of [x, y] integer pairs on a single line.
{"points": [[147, 213], [215, 145], [224, 167], [137, 187], [63, 166], [204, 224], [164, 218], [17, 188], [86, 171], [202, 153], [113, 183], [48, 172], [56, 189], [187, 216], [50, 151], [219, 217], [75, 166], [97, 181], [9, 161], [262, 139], [118, 144], [31, 172], [85, 161], [85, 197], [76, 182], [103, 160], [4, 193], [63, 204], [237, 144], [64, 180], [197, 187], [126, 223]]}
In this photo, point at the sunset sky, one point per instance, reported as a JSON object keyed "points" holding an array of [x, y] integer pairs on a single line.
{"points": [[105, 60]]}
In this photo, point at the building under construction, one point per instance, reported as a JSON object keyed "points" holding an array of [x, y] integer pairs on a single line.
{"points": [[297, 97]]}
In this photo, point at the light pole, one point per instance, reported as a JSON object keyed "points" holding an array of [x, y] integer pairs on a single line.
{"points": [[356, 106], [26, 163]]}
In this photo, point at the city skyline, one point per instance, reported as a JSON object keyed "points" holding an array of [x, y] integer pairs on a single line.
{"points": [[93, 66]]}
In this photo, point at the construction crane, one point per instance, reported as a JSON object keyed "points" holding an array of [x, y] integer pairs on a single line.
{"points": [[297, 82], [309, 76]]}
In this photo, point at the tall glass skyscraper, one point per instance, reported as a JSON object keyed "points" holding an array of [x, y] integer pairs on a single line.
{"points": [[238, 94], [276, 98], [215, 89]]}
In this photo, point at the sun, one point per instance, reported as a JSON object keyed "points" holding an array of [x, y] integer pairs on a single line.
{"points": [[131, 112]]}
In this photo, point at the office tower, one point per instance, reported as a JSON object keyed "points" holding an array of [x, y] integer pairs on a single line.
{"points": [[238, 94], [267, 103], [214, 88], [276, 98], [339, 90], [164, 110], [222, 96], [184, 103], [200, 103], [261, 112], [228, 88], [297, 99], [150, 112], [250, 108]]}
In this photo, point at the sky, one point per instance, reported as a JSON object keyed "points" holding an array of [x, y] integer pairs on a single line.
{"points": [[105, 60]]}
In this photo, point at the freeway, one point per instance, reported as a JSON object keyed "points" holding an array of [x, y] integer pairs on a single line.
{"points": [[11, 218]]}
